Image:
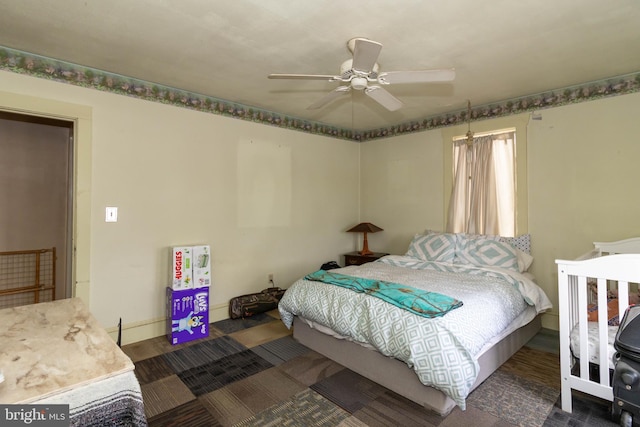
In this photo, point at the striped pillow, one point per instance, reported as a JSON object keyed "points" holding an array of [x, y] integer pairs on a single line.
{"points": [[439, 247], [485, 251]]}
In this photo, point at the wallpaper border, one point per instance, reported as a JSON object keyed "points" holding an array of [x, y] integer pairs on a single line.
{"points": [[52, 69]]}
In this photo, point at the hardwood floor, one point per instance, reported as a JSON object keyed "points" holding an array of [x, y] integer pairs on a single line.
{"points": [[530, 363]]}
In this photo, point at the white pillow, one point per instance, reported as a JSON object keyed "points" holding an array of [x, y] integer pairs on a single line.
{"points": [[522, 244], [485, 251], [524, 260], [439, 247]]}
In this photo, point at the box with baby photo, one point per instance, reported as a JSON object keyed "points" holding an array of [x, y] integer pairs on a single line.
{"points": [[187, 315]]}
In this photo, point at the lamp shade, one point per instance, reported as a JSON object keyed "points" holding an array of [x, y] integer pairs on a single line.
{"points": [[365, 227]]}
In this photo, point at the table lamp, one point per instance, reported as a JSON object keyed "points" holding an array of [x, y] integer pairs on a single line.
{"points": [[365, 227]]}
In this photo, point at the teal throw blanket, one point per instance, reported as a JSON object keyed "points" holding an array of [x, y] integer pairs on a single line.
{"points": [[417, 301]]}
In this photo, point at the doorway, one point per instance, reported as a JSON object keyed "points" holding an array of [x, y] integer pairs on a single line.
{"points": [[36, 205]]}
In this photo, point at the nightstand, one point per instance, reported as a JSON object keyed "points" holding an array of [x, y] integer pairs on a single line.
{"points": [[354, 258]]}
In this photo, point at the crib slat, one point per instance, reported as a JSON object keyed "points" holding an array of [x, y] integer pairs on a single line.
{"points": [[583, 325], [623, 297], [603, 332]]}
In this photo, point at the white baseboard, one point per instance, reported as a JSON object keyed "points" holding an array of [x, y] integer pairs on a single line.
{"points": [[147, 329]]}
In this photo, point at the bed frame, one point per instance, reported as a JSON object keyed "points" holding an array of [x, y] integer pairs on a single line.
{"points": [[395, 374], [612, 265]]}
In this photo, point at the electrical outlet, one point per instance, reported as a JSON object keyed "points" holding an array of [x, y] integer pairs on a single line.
{"points": [[270, 277]]}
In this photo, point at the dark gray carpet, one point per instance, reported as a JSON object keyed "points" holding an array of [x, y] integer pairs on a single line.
{"points": [[280, 350], [218, 373], [202, 353]]}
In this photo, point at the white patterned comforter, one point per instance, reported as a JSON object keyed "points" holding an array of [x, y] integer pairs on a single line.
{"points": [[442, 351], [594, 340]]}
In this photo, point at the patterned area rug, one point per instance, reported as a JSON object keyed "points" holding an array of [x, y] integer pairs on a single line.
{"points": [[306, 408], [518, 400]]}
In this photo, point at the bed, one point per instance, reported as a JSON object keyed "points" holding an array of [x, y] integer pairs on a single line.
{"points": [[56, 353], [113, 401], [434, 360], [607, 276]]}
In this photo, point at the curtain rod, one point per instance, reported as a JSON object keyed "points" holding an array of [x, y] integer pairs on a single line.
{"points": [[489, 133]]}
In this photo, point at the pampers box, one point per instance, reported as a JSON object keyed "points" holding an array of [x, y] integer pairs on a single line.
{"points": [[201, 266], [181, 267], [187, 315]]}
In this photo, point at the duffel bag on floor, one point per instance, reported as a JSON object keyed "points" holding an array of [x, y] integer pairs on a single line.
{"points": [[250, 304]]}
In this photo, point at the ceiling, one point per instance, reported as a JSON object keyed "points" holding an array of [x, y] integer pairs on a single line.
{"points": [[500, 50]]}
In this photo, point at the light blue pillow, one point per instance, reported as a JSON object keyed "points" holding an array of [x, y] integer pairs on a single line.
{"points": [[439, 247], [485, 251]]}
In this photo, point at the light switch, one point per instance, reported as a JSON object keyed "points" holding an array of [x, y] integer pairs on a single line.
{"points": [[111, 214]]}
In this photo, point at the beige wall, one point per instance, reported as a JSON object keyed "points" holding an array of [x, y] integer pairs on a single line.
{"points": [[582, 174], [402, 179], [181, 177]]}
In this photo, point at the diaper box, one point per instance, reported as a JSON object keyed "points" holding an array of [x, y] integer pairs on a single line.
{"points": [[201, 266], [181, 267], [187, 315]]}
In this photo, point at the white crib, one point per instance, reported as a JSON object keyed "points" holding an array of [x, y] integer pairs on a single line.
{"points": [[612, 265]]}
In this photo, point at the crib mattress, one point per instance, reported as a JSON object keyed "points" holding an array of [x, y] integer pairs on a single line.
{"points": [[594, 357]]}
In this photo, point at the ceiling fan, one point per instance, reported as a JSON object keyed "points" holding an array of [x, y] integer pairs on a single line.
{"points": [[357, 74]]}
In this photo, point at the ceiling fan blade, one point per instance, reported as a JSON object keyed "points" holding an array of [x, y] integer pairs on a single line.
{"points": [[336, 93], [383, 97], [303, 76], [365, 54], [425, 76]]}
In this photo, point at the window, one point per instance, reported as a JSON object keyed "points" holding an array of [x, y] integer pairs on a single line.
{"points": [[483, 193]]}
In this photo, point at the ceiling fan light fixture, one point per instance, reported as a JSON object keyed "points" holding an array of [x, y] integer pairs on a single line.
{"points": [[358, 83], [356, 74]]}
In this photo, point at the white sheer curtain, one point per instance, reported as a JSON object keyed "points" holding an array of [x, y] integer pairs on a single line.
{"points": [[483, 193]]}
